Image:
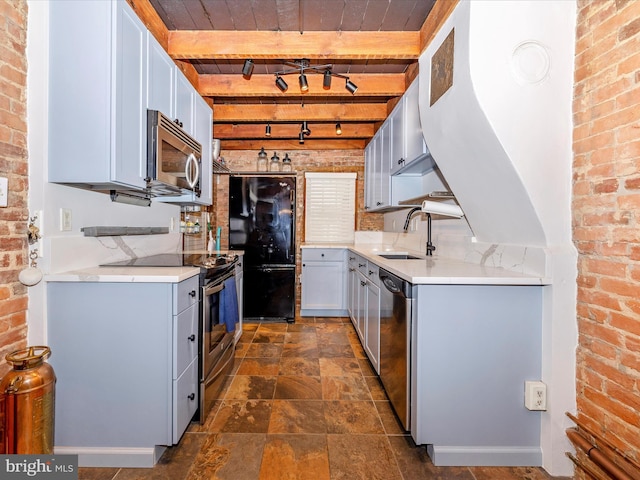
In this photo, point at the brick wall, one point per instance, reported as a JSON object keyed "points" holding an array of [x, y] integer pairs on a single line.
{"points": [[13, 165], [606, 218], [302, 161]]}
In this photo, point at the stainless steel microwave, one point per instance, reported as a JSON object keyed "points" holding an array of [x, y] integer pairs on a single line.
{"points": [[173, 157]]}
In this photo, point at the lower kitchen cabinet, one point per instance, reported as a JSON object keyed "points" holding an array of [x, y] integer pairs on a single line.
{"points": [[323, 282], [125, 358]]}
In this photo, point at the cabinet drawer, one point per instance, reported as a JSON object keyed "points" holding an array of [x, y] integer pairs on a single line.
{"points": [[362, 265], [185, 400], [185, 339], [372, 273], [323, 254], [185, 294]]}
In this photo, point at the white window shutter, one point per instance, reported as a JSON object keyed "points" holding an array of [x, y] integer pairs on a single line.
{"points": [[330, 207]]}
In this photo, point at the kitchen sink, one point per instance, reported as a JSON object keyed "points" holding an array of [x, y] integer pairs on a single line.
{"points": [[398, 256]]}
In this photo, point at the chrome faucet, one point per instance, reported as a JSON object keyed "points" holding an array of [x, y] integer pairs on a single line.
{"points": [[430, 246]]}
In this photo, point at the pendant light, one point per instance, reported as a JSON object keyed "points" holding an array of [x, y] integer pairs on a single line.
{"points": [[305, 128], [267, 130], [301, 138], [338, 129]]}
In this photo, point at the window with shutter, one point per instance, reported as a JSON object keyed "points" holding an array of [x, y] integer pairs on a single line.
{"points": [[330, 207]]}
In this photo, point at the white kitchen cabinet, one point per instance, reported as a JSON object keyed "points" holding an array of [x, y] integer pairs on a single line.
{"points": [[377, 178], [323, 282], [170, 92], [97, 127], [372, 328], [127, 385], [472, 349]]}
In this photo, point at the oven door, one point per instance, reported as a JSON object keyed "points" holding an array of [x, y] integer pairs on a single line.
{"points": [[215, 337]]}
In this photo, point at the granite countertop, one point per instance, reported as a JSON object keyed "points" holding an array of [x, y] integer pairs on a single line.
{"points": [[438, 270]]}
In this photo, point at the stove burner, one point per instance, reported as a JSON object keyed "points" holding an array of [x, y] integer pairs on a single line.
{"points": [[209, 262]]}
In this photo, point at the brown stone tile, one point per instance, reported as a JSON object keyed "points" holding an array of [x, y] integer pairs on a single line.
{"points": [[195, 427], [345, 388], [173, 465], [414, 462], [247, 336], [229, 456], [352, 417], [249, 327], [390, 422], [298, 387], [272, 327], [91, 473], [269, 337], [240, 416], [335, 350], [304, 338], [295, 457], [259, 366], [362, 457], [340, 338], [271, 350], [301, 327], [376, 388], [339, 367], [245, 387], [299, 366], [241, 349], [366, 368], [509, 473], [300, 350], [297, 416], [358, 351]]}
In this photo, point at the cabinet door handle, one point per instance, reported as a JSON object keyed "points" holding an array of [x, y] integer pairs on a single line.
{"points": [[191, 396], [362, 283], [191, 338], [192, 293], [322, 254], [371, 272], [361, 265]]}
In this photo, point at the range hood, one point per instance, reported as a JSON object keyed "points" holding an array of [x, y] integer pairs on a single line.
{"points": [[495, 107]]}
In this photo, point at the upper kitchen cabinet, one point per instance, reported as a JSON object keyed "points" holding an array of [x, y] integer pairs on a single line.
{"points": [[97, 126], [171, 93]]}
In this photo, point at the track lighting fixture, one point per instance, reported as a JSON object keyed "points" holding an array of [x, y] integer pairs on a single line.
{"points": [[304, 86], [349, 85], [326, 81], [338, 129], [305, 128], [247, 68], [281, 84], [302, 66], [267, 130], [301, 138]]}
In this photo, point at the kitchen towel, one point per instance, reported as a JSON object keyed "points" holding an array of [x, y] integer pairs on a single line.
{"points": [[229, 304]]}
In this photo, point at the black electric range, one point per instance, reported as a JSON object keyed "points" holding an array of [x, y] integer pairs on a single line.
{"points": [[211, 265]]}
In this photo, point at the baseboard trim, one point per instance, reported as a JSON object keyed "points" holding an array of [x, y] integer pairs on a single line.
{"points": [[485, 456], [114, 457]]}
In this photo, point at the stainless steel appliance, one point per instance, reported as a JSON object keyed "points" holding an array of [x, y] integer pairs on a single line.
{"points": [[218, 318], [173, 157], [396, 301], [262, 224]]}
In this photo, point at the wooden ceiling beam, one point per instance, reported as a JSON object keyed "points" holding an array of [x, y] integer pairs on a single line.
{"points": [[287, 145], [236, 44], [436, 18], [240, 131], [333, 112], [369, 85]]}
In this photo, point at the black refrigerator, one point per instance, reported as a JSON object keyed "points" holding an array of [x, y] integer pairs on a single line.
{"points": [[262, 224]]}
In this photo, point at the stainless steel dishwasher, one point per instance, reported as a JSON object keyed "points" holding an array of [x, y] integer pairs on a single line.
{"points": [[396, 301]]}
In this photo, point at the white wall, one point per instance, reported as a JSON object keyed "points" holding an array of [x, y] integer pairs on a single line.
{"points": [[62, 251]]}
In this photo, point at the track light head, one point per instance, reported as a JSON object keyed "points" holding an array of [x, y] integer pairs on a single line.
{"points": [[247, 68], [304, 86], [305, 128], [326, 81], [338, 129], [281, 84], [267, 130], [352, 87], [301, 138]]}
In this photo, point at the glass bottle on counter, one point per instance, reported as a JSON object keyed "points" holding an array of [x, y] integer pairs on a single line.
{"points": [[262, 161], [274, 164], [286, 163]]}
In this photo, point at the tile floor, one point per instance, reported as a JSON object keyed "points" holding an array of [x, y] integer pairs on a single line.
{"points": [[303, 403]]}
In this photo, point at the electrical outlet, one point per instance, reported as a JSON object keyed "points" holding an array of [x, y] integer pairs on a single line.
{"points": [[65, 219], [4, 191], [535, 395]]}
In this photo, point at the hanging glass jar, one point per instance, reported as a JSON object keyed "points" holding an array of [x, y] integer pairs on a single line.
{"points": [[286, 163], [274, 164], [262, 160]]}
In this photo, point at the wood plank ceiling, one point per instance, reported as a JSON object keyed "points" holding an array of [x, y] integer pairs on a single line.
{"points": [[373, 43]]}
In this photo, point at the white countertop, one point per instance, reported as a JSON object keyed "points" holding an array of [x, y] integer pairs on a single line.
{"points": [[125, 274], [437, 270]]}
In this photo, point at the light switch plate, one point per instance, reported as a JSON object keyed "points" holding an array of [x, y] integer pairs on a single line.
{"points": [[65, 220], [4, 191]]}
